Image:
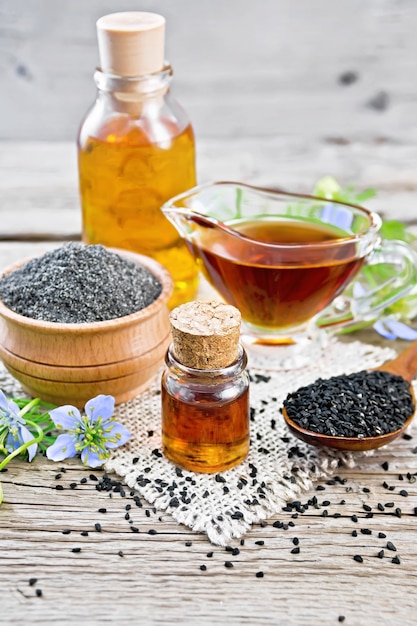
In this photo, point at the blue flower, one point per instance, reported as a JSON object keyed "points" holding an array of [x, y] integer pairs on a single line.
{"points": [[15, 427], [393, 329], [92, 435]]}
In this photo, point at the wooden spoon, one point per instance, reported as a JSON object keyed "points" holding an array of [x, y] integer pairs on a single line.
{"points": [[404, 365]]}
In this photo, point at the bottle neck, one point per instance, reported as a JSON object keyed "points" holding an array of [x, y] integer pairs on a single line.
{"points": [[223, 374], [128, 94]]}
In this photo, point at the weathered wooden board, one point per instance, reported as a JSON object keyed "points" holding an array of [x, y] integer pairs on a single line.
{"points": [[271, 68]]}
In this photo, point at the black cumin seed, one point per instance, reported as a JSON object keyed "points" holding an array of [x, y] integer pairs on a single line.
{"points": [[102, 510], [366, 507], [380, 507], [259, 575], [390, 546], [389, 505], [203, 568], [407, 437], [366, 490], [259, 543], [59, 487], [354, 518], [354, 533], [358, 558], [127, 516], [396, 560], [341, 618], [320, 488], [381, 535], [209, 555], [58, 476], [32, 581], [66, 531], [403, 493], [366, 531], [83, 480], [120, 553], [219, 479], [134, 529], [38, 592], [326, 503], [97, 526], [84, 533], [381, 554], [228, 564], [385, 466], [152, 531], [73, 485], [188, 544], [296, 550], [93, 477], [398, 512], [76, 550]]}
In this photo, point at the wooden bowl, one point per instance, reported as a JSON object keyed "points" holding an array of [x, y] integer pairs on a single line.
{"points": [[344, 443], [71, 363]]}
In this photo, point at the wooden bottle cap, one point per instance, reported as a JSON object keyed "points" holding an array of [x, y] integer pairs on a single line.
{"points": [[205, 334], [131, 43]]}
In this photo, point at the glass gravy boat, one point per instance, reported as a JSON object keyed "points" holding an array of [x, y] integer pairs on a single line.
{"points": [[282, 259]]}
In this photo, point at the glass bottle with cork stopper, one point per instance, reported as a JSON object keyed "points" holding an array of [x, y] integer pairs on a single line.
{"points": [[205, 389], [136, 148]]}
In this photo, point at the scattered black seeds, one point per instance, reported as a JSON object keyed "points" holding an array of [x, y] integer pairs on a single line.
{"points": [[259, 575], [38, 592], [381, 535], [381, 554], [326, 503], [407, 437], [152, 531], [127, 516], [296, 541], [354, 518], [228, 564], [341, 618], [93, 477], [58, 476], [398, 512], [296, 550], [59, 487], [366, 507], [363, 404], [415, 510], [366, 531], [32, 581], [403, 493], [97, 526], [84, 533], [358, 558], [385, 466], [188, 543], [134, 529], [78, 283], [380, 507], [320, 488], [209, 555], [354, 533], [120, 553], [203, 568], [83, 480], [66, 531], [396, 560], [390, 546], [102, 510], [389, 505], [369, 515], [76, 550], [259, 543], [73, 485], [366, 490]]}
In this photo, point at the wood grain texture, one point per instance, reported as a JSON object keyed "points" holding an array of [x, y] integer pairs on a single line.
{"points": [[276, 68], [158, 581]]}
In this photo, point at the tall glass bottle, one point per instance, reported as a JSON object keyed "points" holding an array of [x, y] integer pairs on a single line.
{"points": [[136, 148]]}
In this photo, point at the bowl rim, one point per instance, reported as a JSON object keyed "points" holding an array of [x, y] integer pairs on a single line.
{"points": [[153, 266]]}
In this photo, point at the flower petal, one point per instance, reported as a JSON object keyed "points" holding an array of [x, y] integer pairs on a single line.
{"points": [[26, 436], [100, 406], [92, 459], [401, 330], [63, 448], [66, 417], [116, 432], [12, 442], [380, 328]]}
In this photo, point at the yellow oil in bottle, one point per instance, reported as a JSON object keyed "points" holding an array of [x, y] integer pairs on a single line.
{"points": [[127, 171]]}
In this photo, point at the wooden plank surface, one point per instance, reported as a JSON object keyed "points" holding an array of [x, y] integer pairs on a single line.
{"points": [[272, 68], [158, 579]]}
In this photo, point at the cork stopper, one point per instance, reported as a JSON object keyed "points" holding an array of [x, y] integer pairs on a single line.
{"points": [[132, 43], [205, 334]]}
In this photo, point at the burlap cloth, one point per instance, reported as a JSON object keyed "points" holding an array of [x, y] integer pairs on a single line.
{"points": [[279, 467]]}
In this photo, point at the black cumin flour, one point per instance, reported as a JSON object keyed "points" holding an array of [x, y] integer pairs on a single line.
{"points": [[363, 404], [79, 283]]}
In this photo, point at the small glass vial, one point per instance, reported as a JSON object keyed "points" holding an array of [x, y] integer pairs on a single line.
{"points": [[136, 149], [205, 389]]}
